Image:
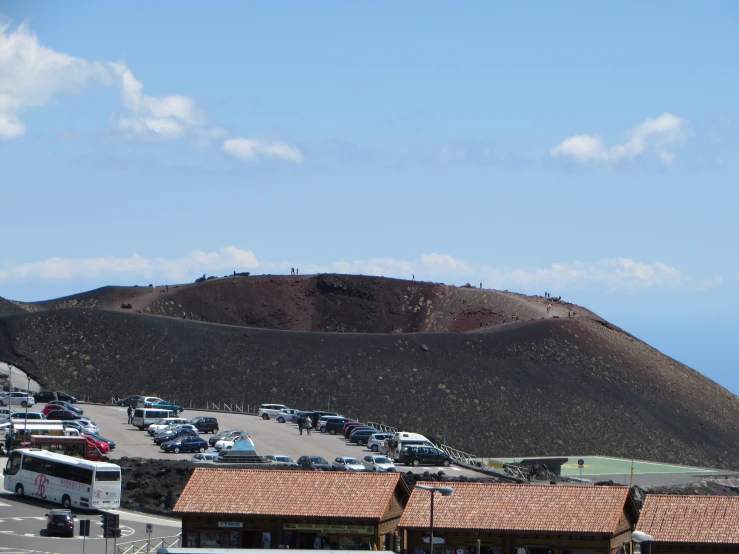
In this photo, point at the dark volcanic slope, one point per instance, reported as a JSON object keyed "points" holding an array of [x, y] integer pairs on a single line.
{"points": [[554, 386], [324, 303], [9, 307]]}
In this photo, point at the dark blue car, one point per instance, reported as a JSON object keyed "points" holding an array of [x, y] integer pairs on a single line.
{"points": [[185, 444]]}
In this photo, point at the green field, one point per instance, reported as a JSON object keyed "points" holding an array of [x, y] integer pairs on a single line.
{"points": [[603, 465]]}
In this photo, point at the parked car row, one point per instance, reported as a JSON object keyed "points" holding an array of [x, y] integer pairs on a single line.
{"points": [[406, 448], [176, 434]]}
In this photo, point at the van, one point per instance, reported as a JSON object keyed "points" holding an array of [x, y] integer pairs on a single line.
{"points": [[392, 446], [143, 417]]}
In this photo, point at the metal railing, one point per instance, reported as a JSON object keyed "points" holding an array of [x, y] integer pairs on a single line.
{"points": [[149, 545], [382, 427], [459, 456]]}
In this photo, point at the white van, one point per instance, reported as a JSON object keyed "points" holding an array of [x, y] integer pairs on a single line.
{"points": [[143, 417], [392, 446]]}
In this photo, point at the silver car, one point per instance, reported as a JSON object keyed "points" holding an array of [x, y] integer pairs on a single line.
{"points": [[378, 462], [280, 459], [16, 398], [348, 464]]}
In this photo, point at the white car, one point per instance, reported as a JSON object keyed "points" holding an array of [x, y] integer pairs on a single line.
{"points": [[204, 457], [280, 459], [164, 422], [17, 398], [226, 444], [348, 464], [377, 462], [267, 411], [287, 415], [90, 424]]}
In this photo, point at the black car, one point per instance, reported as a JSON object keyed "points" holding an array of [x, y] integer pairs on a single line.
{"points": [[423, 455], [97, 437], [362, 436], [335, 425], [60, 522], [185, 444], [67, 406], [315, 463], [174, 435], [132, 400], [205, 424], [46, 396], [61, 415]]}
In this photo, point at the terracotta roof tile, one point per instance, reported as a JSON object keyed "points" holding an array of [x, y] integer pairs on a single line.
{"points": [[695, 519], [501, 507], [301, 493]]}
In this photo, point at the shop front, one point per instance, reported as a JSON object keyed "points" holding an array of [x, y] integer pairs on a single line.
{"points": [[492, 518], [290, 509]]}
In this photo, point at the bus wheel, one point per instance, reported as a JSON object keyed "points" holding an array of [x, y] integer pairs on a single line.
{"points": [[19, 489], [202, 449], [66, 502]]}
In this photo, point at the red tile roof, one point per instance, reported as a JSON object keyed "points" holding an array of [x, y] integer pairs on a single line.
{"points": [[498, 507], [301, 493], [694, 519]]}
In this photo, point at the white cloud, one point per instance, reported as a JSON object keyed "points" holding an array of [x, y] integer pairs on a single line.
{"points": [[652, 134], [31, 74], [195, 263], [251, 149], [611, 274]]}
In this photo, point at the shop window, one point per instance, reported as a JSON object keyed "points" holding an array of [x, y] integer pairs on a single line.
{"points": [[209, 540]]}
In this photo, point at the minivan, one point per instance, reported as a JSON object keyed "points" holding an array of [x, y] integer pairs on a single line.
{"points": [[424, 455], [270, 410], [143, 417]]}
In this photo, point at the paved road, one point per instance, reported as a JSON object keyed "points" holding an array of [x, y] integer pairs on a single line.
{"points": [[23, 529]]}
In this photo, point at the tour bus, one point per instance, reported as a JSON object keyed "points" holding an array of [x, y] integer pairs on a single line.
{"points": [[71, 482], [79, 447], [143, 417]]}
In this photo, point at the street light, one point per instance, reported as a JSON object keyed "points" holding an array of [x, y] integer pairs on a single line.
{"points": [[638, 537], [28, 394], [444, 491]]}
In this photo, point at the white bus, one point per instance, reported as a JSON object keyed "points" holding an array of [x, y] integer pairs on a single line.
{"points": [[65, 480]]}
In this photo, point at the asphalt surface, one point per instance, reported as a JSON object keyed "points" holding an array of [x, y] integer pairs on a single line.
{"points": [[269, 437]]}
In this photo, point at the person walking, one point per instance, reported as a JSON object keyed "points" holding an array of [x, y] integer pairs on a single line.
{"points": [[308, 425], [301, 422], [130, 414]]}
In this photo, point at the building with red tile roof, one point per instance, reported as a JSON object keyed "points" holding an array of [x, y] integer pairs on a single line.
{"points": [[252, 508], [505, 518], [690, 524]]}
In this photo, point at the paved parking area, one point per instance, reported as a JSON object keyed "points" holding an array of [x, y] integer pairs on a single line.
{"points": [[270, 437]]}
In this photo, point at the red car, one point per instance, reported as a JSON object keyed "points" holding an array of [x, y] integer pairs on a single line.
{"points": [[103, 446], [350, 424]]}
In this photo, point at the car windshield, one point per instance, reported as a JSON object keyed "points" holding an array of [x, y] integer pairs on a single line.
{"points": [[282, 458], [317, 460]]}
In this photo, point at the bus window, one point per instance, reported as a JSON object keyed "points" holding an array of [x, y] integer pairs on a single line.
{"points": [[14, 463]]}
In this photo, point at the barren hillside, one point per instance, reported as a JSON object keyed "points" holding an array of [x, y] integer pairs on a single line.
{"points": [[535, 387]]}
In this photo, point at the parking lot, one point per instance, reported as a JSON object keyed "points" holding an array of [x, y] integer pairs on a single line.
{"points": [[269, 436]]}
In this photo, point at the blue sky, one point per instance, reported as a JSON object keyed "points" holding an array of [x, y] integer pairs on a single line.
{"points": [[586, 150]]}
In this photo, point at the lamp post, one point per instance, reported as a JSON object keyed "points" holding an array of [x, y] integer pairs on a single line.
{"points": [[444, 491], [28, 394]]}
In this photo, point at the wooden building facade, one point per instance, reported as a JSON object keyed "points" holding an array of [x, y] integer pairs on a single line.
{"points": [[520, 519], [245, 508], [690, 524]]}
